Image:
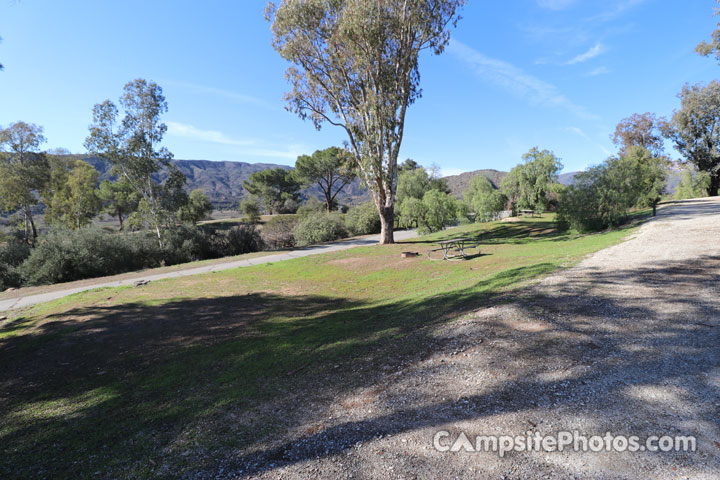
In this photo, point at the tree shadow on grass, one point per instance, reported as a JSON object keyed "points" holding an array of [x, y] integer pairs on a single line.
{"points": [[117, 383], [126, 390], [611, 350]]}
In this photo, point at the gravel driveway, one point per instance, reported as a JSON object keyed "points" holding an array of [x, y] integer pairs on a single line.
{"points": [[627, 342]]}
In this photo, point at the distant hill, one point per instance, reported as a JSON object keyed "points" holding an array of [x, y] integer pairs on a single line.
{"points": [[459, 183], [222, 181]]}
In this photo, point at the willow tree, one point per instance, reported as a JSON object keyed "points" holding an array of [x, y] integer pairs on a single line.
{"points": [[355, 66]]}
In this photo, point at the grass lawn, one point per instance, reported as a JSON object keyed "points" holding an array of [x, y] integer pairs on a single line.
{"points": [[180, 375]]}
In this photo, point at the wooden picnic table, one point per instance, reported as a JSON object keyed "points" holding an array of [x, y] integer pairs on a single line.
{"points": [[528, 211], [458, 244]]}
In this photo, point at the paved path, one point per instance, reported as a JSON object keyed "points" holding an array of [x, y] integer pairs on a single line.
{"points": [[24, 301]]}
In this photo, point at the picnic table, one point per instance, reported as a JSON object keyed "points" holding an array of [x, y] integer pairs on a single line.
{"points": [[528, 212], [454, 245]]}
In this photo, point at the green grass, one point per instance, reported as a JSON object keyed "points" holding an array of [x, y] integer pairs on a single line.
{"points": [[121, 381]]}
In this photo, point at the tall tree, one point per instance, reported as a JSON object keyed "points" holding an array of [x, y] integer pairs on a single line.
{"points": [[695, 129], [417, 181], [485, 201], [650, 173], [197, 208], [713, 47], [277, 188], [331, 169], [641, 130], [133, 148], [119, 199], [71, 196], [528, 184], [355, 66], [24, 171]]}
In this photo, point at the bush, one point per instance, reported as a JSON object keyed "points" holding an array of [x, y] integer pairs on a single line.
{"points": [[64, 256], [311, 206], [320, 227], [363, 219], [12, 256], [242, 239], [277, 233]]}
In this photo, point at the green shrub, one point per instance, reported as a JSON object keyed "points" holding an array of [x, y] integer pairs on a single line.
{"points": [[64, 256], [320, 227], [277, 233], [363, 219], [12, 256], [242, 239], [310, 207]]}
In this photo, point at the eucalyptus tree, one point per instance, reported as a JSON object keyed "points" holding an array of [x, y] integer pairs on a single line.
{"points": [[71, 196], [133, 147], [355, 66], [24, 171], [640, 130], [330, 169], [713, 47], [694, 130]]}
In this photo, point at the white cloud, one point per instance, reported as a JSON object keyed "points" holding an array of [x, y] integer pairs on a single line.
{"points": [[515, 80], [598, 71], [618, 9], [581, 133], [238, 97], [556, 4], [183, 130], [251, 148], [593, 52]]}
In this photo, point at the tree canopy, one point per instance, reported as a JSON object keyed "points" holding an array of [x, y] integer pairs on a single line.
{"points": [[24, 171], [330, 169], [484, 200], [642, 130], [133, 147], [197, 208], [528, 184], [276, 188], [694, 129], [71, 197], [355, 66], [119, 199]]}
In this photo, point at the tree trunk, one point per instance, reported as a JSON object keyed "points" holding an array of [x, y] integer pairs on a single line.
{"points": [[328, 201], [27, 228], [387, 223], [29, 219], [714, 184], [120, 219]]}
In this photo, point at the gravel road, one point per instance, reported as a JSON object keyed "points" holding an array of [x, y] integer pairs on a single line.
{"points": [[626, 342]]}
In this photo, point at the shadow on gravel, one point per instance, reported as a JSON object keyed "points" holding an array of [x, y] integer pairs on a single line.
{"points": [[124, 386], [129, 390], [614, 346]]}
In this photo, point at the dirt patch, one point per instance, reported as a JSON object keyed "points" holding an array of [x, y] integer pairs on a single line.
{"points": [[377, 263]]}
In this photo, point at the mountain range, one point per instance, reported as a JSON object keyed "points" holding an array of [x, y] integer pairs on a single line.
{"points": [[222, 181]]}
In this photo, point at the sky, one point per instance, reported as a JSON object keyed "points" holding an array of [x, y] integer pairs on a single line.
{"points": [[556, 74]]}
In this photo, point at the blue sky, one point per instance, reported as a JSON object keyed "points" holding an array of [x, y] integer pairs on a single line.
{"points": [[558, 74]]}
